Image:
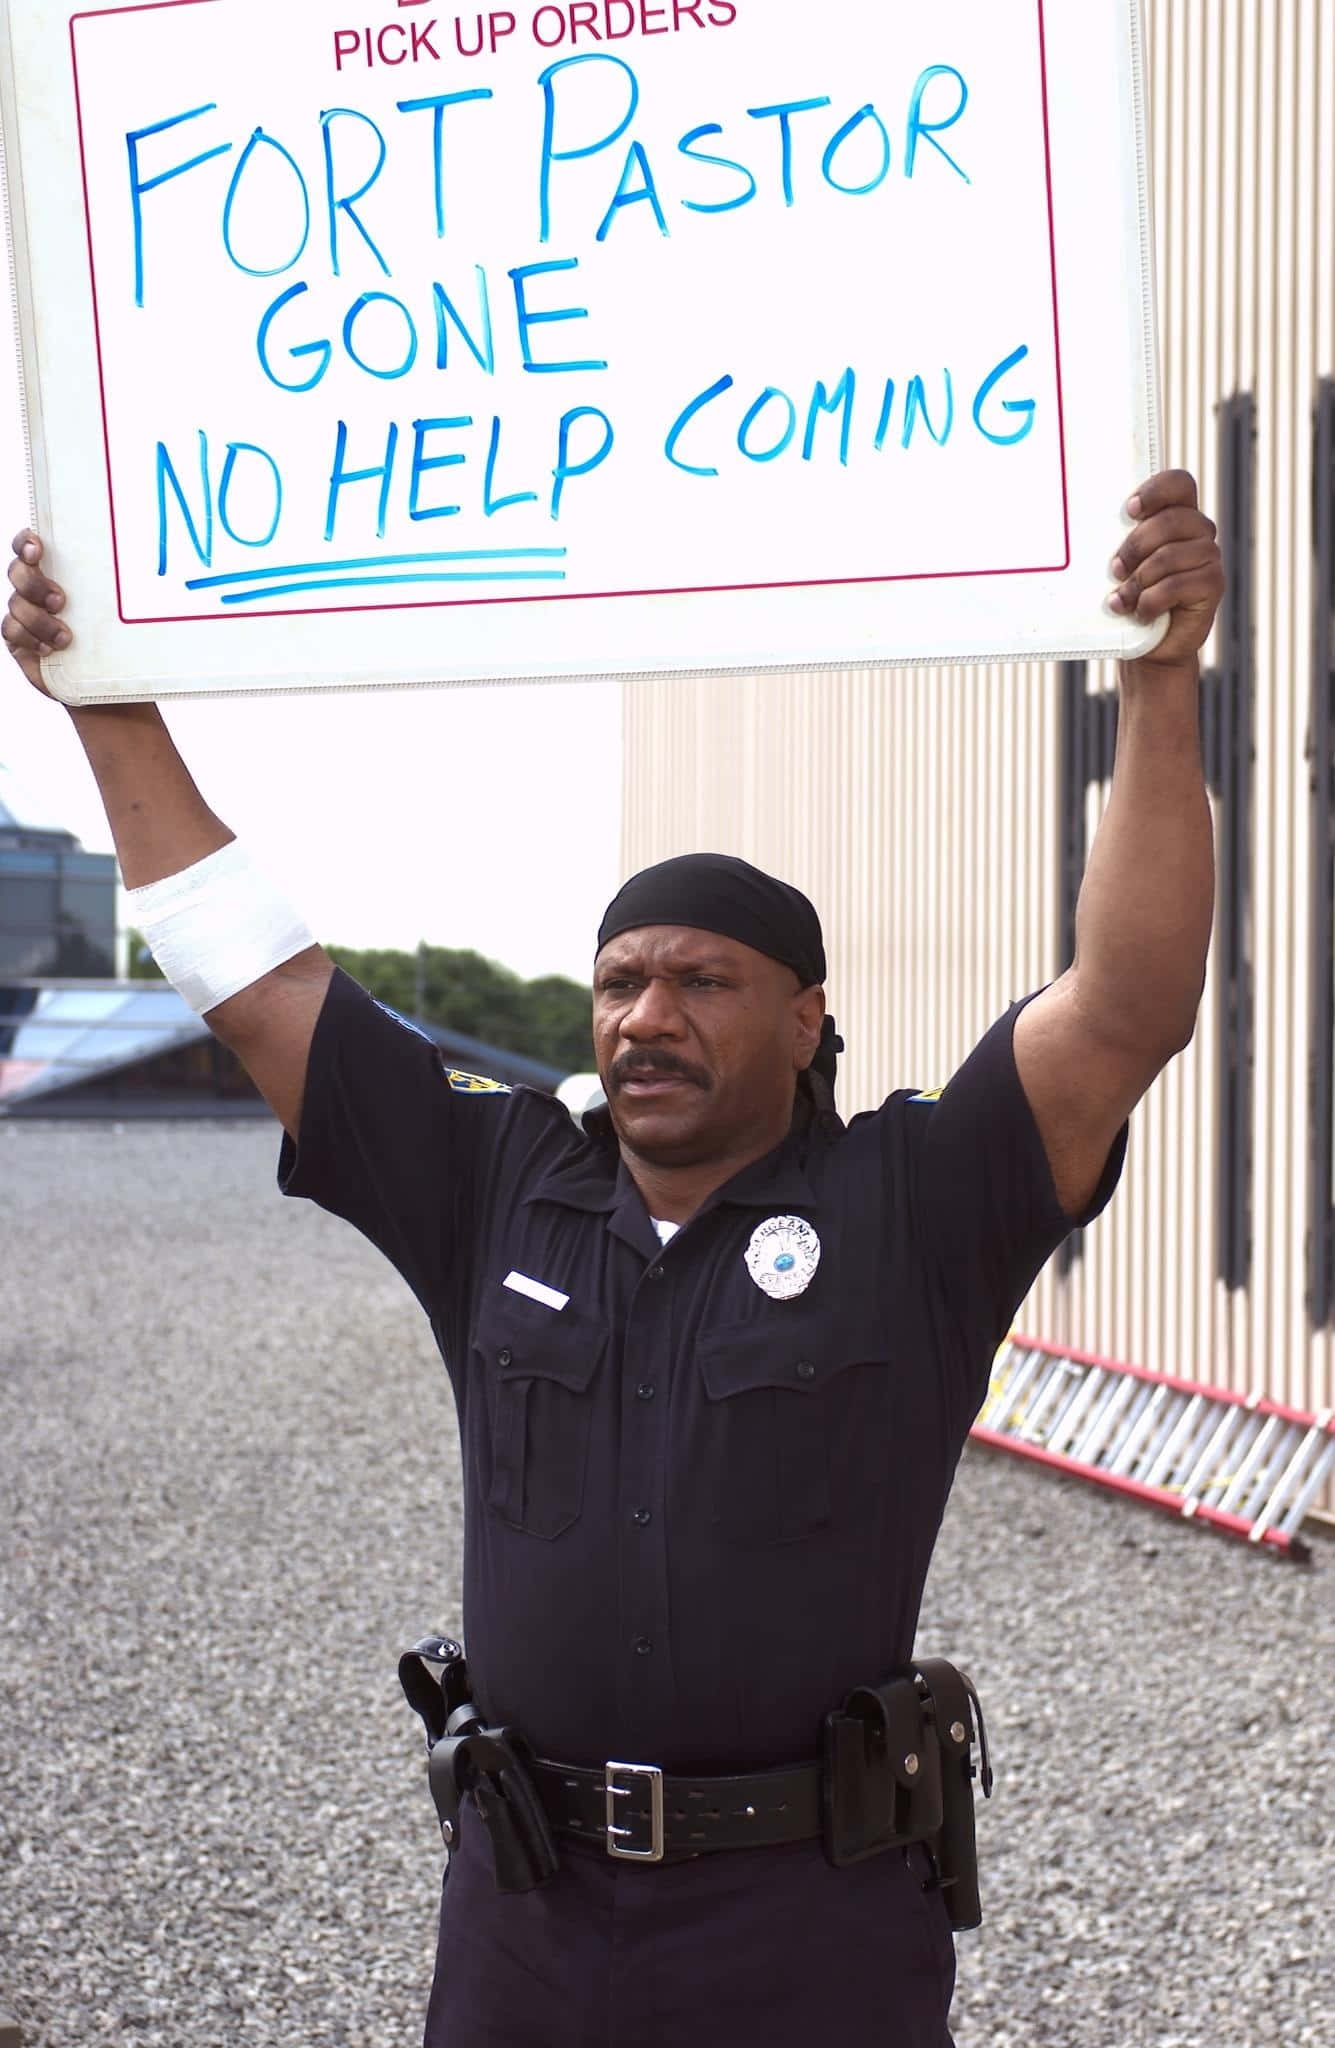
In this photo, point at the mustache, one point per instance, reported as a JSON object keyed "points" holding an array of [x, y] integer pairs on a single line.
{"points": [[652, 1060]]}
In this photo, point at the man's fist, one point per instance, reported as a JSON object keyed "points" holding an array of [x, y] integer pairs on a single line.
{"points": [[1170, 563], [32, 625]]}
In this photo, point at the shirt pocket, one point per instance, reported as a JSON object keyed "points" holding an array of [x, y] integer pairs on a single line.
{"points": [[783, 1398], [540, 1365]]}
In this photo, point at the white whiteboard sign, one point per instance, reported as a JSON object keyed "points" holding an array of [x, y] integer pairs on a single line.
{"points": [[607, 336]]}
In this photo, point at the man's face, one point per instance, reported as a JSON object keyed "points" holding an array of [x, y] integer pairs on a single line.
{"points": [[699, 1041]]}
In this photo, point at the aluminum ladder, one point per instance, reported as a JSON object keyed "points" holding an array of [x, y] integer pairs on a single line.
{"points": [[1240, 1462]]}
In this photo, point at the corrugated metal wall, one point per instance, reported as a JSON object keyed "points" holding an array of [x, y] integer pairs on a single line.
{"points": [[921, 809]]}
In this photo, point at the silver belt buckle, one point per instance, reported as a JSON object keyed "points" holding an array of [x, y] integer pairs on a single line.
{"points": [[616, 1836]]}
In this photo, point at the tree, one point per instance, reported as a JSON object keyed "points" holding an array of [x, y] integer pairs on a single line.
{"points": [[547, 1019]]}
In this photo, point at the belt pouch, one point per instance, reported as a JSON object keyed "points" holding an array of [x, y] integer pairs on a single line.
{"points": [[523, 1846], [955, 1846], [882, 1779], [490, 1764]]}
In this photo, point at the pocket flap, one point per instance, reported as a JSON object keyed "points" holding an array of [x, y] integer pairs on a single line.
{"points": [[798, 1352], [524, 1340]]}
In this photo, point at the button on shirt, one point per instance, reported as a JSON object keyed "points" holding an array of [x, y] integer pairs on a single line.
{"points": [[695, 1516]]}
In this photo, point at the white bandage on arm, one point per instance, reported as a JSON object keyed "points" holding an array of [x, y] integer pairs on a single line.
{"points": [[217, 926]]}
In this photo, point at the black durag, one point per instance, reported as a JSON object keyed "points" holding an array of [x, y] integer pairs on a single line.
{"points": [[715, 892]]}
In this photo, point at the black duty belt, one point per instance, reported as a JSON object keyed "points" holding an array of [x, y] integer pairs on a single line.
{"points": [[897, 1769], [640, 1814]]}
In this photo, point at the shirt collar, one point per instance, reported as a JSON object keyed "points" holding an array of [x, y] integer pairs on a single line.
{"points": [[778, 1180], [596, 1178], [586, 1180]]}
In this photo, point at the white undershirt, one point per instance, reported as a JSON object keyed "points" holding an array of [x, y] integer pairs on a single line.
{"points": [[666, 1231]]}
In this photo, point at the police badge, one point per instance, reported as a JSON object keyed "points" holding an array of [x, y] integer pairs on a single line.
{"points": [[782, 1257]]}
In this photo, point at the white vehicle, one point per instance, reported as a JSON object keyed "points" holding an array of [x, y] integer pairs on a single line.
{"points": [[580, 1093]]}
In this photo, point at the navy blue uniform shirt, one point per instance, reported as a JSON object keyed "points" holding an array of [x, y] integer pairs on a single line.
{"points": [[695, 1516]]}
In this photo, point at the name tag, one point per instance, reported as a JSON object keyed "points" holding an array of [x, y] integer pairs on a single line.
{"points": [[519, 1283]]}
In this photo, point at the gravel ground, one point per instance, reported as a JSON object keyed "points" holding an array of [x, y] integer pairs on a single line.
{"points": [[228, 1496]]}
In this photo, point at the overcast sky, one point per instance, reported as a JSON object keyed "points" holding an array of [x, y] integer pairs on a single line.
{"points": [[483, 818]]}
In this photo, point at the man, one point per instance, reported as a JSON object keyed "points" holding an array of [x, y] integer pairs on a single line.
{"points": [[714, 1359]]}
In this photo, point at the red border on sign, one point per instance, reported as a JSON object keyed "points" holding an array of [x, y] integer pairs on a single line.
{"points": [[568, 596]]}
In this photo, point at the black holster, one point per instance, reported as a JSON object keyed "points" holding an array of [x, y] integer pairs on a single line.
{"points": [[899, 1769], [489, 1765]]}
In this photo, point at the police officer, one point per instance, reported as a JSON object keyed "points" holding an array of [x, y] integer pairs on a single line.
{"points": [[714, 1356]]}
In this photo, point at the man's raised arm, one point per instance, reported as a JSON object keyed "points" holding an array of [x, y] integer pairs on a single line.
{"points": [[163, 829], [1088, 1048]]}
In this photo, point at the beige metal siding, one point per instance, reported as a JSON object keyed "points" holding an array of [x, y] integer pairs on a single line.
{"points": [[920, 809]]}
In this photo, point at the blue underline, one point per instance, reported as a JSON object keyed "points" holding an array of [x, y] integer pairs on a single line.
{"points": [[374, 582], [379, 562]]}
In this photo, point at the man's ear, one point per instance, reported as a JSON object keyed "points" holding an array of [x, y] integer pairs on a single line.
{"points": [[809, 1015]]}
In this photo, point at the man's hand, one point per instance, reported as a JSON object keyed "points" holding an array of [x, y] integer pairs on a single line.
{"points": [[33, 626], [1170, 563]]}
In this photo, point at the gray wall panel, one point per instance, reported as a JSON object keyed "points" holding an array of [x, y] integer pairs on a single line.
{"points": [[920, 809]]}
